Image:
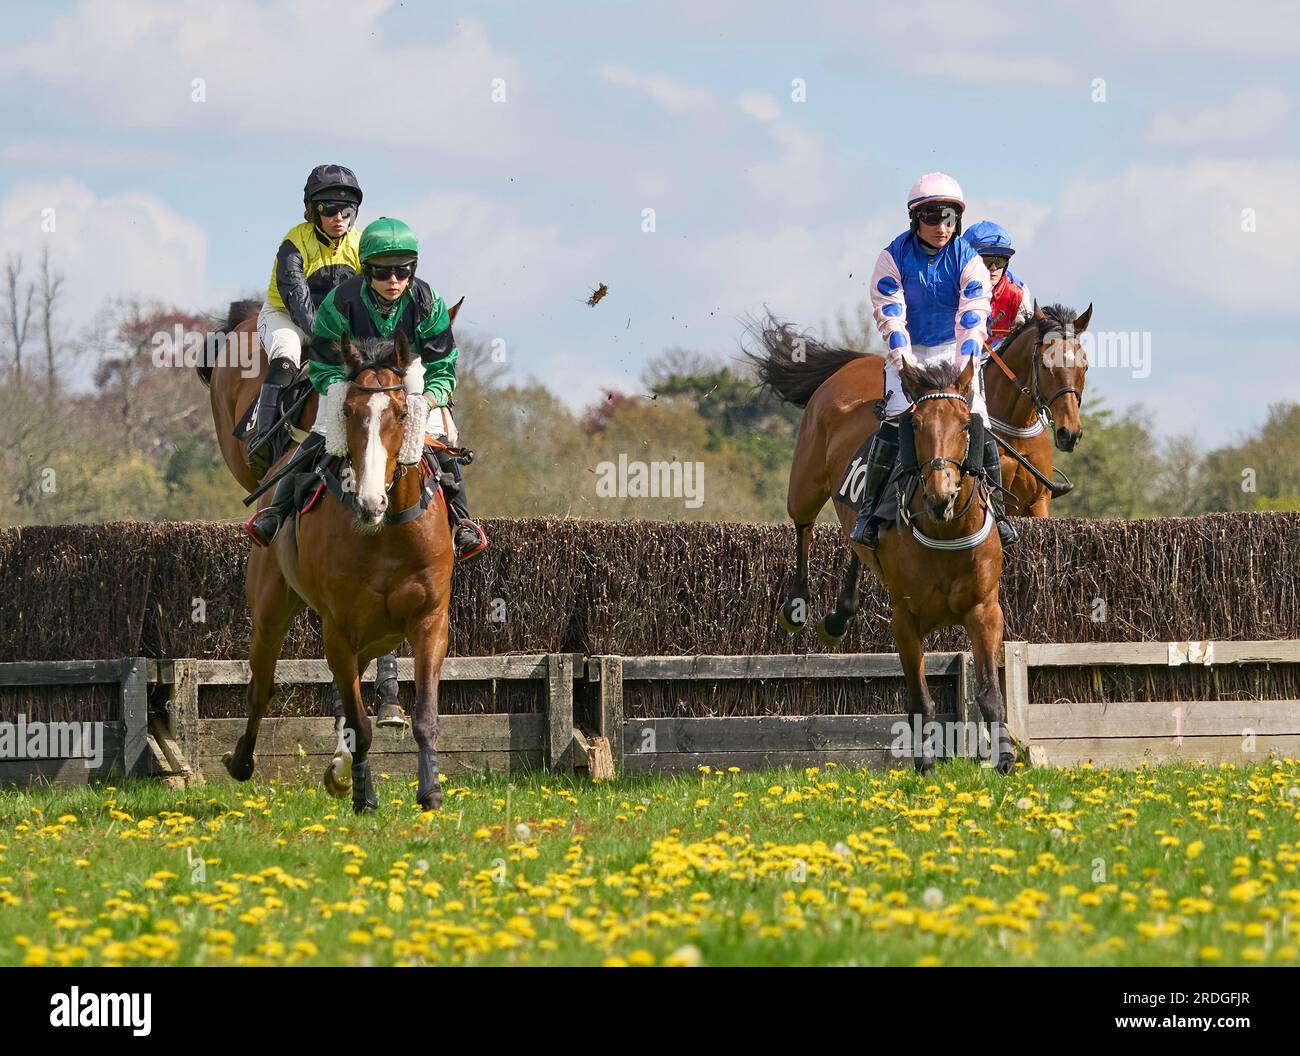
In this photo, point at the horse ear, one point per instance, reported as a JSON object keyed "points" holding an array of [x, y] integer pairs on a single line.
{"points": [[966, 377], [1038, 313], [451, 312], [349, 353], [401, 351], [1081, 323], [907, 373]]}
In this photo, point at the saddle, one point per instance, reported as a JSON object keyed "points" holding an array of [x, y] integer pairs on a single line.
{"points": [[294, 393]]}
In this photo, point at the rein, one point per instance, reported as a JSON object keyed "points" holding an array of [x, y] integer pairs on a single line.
{"points": [[432, 483], [907, 518], [1042, 416], [428, 492]]}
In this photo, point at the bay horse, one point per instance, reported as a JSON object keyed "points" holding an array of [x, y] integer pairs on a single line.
{"points": [[941, 558], [1043, 355], [233, 382], [374, 562], [233, 388], [839, 388]]}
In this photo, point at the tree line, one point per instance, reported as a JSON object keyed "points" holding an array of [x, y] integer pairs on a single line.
{"points": [[136, 441]]}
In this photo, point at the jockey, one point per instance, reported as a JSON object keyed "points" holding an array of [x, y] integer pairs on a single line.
{"points": [[1012, 303], [384, 297], [930, 295], [314, 257]]}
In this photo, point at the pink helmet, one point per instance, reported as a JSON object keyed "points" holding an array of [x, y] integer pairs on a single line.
{"points": [[935, 186]]}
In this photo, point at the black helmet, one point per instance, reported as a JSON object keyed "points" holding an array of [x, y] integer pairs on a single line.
{"points": [[332, 183]]}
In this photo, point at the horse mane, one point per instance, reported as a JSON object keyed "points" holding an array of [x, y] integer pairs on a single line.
{"points": [[936, 376], [372, 353], [1058, 316], [239, 311]]}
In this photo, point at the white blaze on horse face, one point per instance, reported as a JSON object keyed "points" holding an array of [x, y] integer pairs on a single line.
{"points": [[1059, 352], [371, 485]]}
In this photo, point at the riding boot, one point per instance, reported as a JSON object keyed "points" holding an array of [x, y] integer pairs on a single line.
{"points": [[258, 443], [880, 464], [263, 525], [993, 470], [468, 538]]}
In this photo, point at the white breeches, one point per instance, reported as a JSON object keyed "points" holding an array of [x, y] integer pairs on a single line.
{"points": [[896, 403], [280, 335]]}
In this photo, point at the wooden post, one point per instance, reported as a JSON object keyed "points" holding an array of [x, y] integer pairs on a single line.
{"points": [[135, 715], [183, 715], [966, 709], [610, 672], [559, 711], [1016, 662]]}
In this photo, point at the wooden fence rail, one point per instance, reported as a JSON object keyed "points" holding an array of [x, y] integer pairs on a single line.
{"points": [[1067, 733], [187, 747]]}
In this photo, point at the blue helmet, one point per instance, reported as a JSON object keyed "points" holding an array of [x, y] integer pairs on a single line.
{"points": [[988, 237]]}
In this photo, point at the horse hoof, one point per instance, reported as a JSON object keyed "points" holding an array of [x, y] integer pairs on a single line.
{"points": [[239, 773], [824, 635], [924, 766], [363, 808], [432, 801], [338, 775], [392, 716], [1006, 764], [787, 624]]}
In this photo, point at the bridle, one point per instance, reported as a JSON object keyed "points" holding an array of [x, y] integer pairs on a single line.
{"points": [[1033, 392], [399, 387], [429, 491], [939, 461]]}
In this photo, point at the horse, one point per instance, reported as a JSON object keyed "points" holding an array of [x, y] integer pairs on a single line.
{"points": [[233, 389], [373, 576], [1046, 352], [839, 389], [941, 558]]}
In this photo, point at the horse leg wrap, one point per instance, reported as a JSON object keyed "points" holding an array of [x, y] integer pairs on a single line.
{"points": [[364, 800], [386, 679], [429, 790]]}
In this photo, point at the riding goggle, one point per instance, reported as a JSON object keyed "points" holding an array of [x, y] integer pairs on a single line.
{"points": [[334, 208], [996, 263], [938, 214], [390, 271]]}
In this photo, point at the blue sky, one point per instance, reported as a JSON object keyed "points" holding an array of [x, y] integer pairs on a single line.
{"points": [[1134, 203]]}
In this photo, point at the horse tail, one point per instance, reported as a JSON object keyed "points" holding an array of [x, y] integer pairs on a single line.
{"points": [[235, 314], [794, 365]]}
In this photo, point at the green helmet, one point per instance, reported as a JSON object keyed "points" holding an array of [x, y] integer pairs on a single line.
{"points": [[386, 236]]}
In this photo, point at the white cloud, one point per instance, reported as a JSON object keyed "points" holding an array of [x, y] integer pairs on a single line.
{"points": [[1177, 232], [1250, 114], [108, 245], [760, 105], [1020, 216], [266, 70], [668, 92], [508, 268]]}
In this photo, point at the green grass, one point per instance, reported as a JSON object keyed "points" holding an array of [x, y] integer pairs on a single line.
{"points": [[1171, 865]]}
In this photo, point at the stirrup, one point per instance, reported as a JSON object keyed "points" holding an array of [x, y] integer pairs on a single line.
{"points": [[256, 533], [1006, 531], [475, 551], [866, 530]]}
